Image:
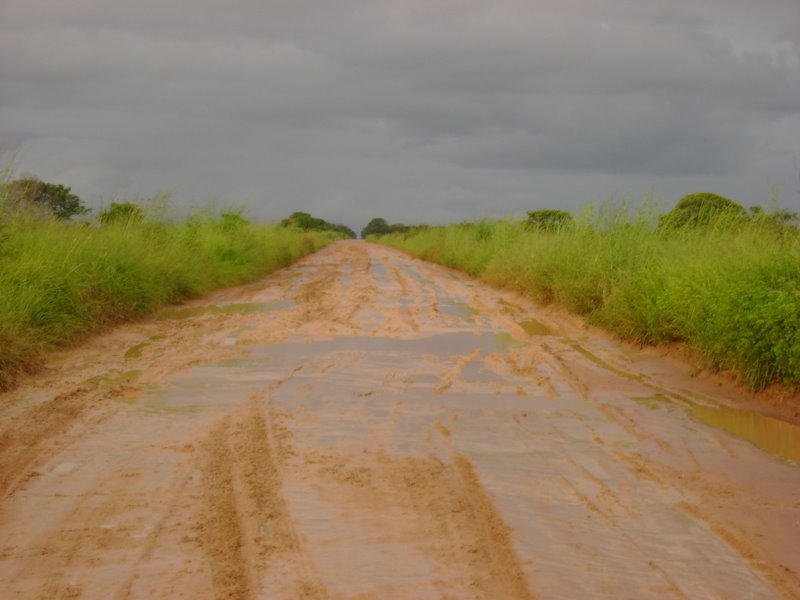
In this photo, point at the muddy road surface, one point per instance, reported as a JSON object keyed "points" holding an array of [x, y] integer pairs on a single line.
{"points": [[364, 425]]}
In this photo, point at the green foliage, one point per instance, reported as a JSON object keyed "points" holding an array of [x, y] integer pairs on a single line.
{"points": [[703, 209], [31, 196], [122, 213], [306, 222], [344, 231], [376, 226], [232, 221], [60, 281], [549, 219], [732, 293], [779, 216]]}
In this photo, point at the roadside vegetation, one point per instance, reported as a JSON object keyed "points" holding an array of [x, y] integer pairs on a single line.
{"points": [[61, 280], [724, 280]]}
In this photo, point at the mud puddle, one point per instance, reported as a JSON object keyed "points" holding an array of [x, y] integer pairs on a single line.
{"points": [[771, 435], [250, 308], [457, 309], [109, 381], [442, 345], [416, 275], [379, 271], [135, 351], [212, 387], [602, 363], [534, 328]]}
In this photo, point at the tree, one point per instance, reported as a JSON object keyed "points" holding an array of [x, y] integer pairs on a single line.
{"points": [[49, 199], [125, 213], [304, 221], [345, 231], [701, 209], [548, 219], [376, 226]]}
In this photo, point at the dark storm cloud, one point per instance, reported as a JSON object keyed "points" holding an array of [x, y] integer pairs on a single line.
{"points": [[414, 110]]}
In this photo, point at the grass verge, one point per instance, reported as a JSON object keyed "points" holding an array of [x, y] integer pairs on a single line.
{"points": [[730, 291], [61, 281]]}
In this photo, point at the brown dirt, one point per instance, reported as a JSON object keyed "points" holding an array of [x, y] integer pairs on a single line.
{"points": [[385, 428]]}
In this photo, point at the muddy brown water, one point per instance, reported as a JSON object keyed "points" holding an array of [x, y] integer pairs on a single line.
{"points": [[365, 425]]}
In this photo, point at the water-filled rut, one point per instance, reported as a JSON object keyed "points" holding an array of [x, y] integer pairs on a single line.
{"points": [[366, 425]]}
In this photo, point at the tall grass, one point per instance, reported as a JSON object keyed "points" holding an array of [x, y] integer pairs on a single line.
{"points": [[731, 291], [60, 281]]}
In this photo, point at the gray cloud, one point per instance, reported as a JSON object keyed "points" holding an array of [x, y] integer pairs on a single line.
{"points": [[418, 111]]}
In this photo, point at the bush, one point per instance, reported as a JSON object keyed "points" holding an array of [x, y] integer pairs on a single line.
{"points": [[122, 213], [549, 220], [703, 209]]}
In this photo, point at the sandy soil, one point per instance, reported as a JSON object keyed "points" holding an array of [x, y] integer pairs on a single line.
{"points": [[364, 425]]}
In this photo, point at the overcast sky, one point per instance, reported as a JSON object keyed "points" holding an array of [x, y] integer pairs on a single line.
{"points": [[414, 110]]}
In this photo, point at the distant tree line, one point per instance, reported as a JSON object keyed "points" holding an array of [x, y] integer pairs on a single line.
{"points": [[306, 222], [379, 226], [701, 209], [32, 197]]}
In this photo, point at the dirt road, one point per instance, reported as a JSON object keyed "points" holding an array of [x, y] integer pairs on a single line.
{"points": [[365, 425]]}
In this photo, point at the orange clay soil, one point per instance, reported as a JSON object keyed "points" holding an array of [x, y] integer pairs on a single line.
{"points": [[366, 425]]}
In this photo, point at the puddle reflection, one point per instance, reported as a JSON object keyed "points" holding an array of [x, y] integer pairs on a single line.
{"points": [[772, 435]]}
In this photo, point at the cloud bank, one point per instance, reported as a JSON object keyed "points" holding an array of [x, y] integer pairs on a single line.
{"points": [[411, 110]]}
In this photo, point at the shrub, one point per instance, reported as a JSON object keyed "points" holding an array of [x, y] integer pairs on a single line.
{"points": [[549, 219], [701, 210], [122, 213]]}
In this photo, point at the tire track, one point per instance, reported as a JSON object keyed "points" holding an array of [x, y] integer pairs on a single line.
{"points": [[502, 575], [34, 433], [250, 538], [222, 529], [445, 509]]}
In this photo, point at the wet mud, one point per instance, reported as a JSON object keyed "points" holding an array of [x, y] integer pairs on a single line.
{"points": [[365, 425]]}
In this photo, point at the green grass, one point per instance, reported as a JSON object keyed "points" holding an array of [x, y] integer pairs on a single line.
{"points": [[731, 292], [61, 281]]}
